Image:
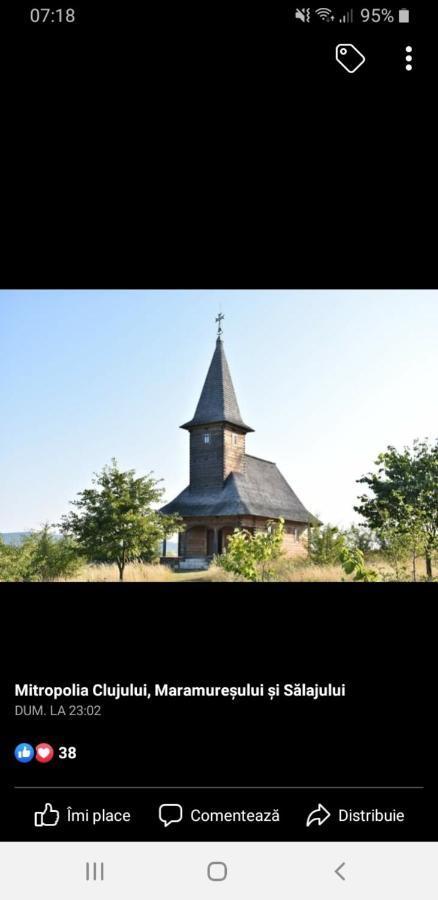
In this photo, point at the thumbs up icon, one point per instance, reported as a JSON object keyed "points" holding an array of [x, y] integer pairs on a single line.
{"points": [[24, 753], [48, 816]]}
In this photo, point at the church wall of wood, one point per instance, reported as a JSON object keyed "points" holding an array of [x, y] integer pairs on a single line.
{"points": [[196, 541], [212, 462], [234, 451], [206, 459], [295, 540]]}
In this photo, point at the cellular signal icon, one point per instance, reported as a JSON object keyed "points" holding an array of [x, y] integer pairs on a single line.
{"points": [[324, 13], [348, 17]]}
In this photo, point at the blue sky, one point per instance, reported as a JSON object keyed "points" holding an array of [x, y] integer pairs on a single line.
{"points": [[326, 378]]}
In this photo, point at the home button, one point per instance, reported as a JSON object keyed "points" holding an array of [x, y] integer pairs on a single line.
{"points": [[217, 871]]}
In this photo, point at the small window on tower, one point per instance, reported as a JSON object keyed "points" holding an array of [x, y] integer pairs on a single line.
{"points": [[235, 440], [206, 437]]}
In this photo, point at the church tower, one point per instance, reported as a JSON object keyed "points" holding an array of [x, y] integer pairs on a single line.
{"points": [[228, 487], [217, 431]]}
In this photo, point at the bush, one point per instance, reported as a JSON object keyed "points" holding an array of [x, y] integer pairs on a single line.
{"points": [[353, 563], [42, 556], [10, 569], [325, 545], [250, 556]]}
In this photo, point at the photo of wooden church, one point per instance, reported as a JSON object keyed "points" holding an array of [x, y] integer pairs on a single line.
{"points": [[229, 488]]}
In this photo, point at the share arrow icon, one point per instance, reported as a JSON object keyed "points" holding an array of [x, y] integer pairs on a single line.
{"points": [[320, 815]]}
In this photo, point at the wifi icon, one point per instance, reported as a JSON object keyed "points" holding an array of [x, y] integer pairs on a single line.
{"points": [[323, 13]]}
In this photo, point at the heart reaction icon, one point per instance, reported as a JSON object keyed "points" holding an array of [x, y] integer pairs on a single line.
{"points": [[44, 753]]}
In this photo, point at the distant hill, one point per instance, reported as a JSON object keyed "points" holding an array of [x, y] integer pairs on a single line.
{"points": [[14, 537]]}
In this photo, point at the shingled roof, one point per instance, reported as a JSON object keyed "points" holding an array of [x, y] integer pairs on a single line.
{"points": [[260, 491], [218, 401]]}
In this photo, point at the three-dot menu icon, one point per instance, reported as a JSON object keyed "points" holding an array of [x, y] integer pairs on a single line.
{"points": [[408, 58]]}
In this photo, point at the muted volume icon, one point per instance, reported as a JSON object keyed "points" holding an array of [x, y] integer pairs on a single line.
{"points": [[303, 15]]}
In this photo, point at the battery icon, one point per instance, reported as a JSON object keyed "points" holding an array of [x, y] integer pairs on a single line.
{"points": [[403, 15]]}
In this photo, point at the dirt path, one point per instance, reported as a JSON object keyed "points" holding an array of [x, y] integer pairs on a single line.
{"points": [[191, 576]]}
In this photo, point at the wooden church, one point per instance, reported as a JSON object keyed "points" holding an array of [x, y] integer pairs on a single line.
{"points": [[228, 487]]}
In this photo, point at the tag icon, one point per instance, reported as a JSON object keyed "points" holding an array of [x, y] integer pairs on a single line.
{"points": [[349, 57]]}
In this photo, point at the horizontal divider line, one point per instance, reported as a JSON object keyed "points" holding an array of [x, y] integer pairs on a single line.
{"points": [[216, 787]]}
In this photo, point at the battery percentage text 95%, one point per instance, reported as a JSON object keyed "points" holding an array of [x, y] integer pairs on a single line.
{"points": [[377, 15]]}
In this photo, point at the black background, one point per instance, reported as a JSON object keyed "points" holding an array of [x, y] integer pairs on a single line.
{"points": [[378, 736], [202, 151]]}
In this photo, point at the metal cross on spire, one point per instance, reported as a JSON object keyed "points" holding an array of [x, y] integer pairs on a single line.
{"points": [[218, 319]]}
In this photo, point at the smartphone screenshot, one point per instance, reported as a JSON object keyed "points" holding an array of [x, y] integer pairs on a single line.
{"points": [[187, 711], [219, 502]]}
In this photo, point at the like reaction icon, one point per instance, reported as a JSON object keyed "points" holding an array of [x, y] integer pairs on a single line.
{"points": [[24, 753], [48, 817]]}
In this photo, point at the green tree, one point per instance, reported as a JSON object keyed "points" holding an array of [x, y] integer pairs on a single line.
{"points": [[249, 555], [41, 556], [398, 546], [404, 494], [10, 569], [115, 521], [46, 556], [325, 544], [360, 538]]}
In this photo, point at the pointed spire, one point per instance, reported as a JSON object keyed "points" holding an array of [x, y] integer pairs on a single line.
{"points": [[218, 401]]}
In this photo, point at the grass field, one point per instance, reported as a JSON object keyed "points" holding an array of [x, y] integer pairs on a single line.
{"points": [[146, 573], [286, 571]]}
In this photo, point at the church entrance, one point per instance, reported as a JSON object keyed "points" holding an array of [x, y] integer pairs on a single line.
{"points": [[215, 541], [225, 534], [200, 540], [222, 537]]}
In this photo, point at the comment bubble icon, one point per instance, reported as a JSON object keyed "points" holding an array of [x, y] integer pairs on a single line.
{"points": [[170, 813]]}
